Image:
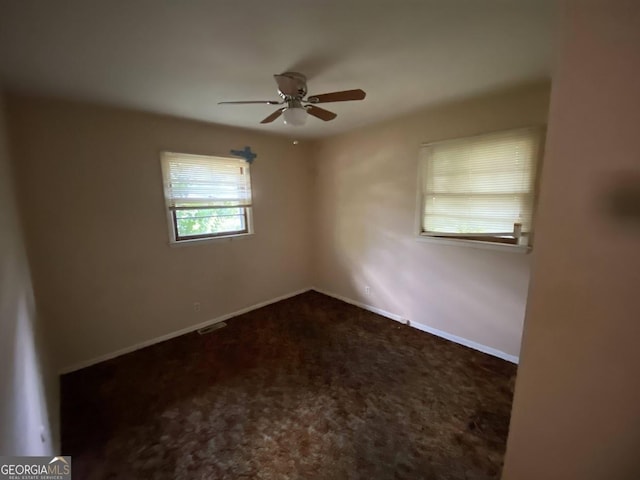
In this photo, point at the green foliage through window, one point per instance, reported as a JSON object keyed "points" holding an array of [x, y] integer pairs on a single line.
{"points": [[210, 221]]}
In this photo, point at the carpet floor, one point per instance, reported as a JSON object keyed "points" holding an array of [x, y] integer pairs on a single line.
{"points": [[307, 388]]}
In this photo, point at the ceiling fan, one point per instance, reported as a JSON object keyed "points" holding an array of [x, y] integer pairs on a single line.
{"points": [[292, 88]]}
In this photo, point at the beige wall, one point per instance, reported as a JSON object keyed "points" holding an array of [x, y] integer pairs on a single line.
{"points": [[28, 385], [365, 195], [104, 273], [576, 413]]}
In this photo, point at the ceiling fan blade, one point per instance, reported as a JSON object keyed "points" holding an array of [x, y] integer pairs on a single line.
{"points": [[320, 113], [246, 102], [273, 116], [344, 96], [287, 84]]}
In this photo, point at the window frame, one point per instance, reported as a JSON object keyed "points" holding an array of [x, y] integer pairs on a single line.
{"points": [[175, 239], [487, 241]]}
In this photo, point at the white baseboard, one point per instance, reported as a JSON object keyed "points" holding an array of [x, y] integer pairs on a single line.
{"points": [[177, 333], [425, 328], [379, 311]]}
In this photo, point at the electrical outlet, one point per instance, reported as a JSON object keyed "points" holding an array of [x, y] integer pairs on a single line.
{"points": [[367, 290], [196, 306]]}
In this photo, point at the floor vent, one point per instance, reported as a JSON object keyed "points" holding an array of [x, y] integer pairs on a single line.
{"points": [[211, 328]]}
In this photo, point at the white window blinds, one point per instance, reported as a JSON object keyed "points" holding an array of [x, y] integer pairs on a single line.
{"points": [[195, 181], [480, 186]]}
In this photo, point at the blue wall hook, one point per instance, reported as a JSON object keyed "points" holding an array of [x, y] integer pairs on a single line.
{"points": [[247, 154]]}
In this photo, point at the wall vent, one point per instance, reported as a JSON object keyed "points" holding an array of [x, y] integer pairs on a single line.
{"points": [[211, 328]]}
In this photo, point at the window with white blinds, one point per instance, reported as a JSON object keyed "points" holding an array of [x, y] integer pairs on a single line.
{"points": [[481, 188], [206, 196]]}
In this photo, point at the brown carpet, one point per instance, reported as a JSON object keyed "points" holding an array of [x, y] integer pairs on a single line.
{"points": [[307, 388]]}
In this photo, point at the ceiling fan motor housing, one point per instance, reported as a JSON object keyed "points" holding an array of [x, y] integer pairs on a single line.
{"points": [[292, 85]]}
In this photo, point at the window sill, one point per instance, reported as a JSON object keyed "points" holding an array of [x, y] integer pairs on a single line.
{"points": [[201, 241], [458, 242]]}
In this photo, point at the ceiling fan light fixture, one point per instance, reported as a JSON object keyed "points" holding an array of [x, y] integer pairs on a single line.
{"points": [[296, 116]]}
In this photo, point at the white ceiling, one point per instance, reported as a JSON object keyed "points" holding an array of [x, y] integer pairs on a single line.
{"points": [[182, 57]]}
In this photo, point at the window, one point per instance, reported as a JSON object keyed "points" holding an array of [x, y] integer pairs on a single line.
{"points": [[481, 188], [206, 196]]}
